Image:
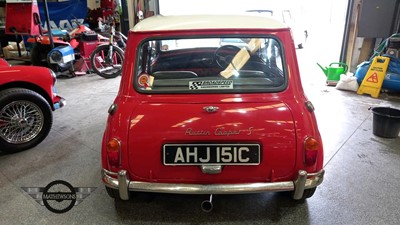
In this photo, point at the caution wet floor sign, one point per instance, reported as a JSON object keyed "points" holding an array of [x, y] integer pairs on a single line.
{"points": [[372, 82]]}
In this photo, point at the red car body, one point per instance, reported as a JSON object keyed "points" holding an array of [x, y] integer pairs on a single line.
{"points": [[22, 87], [39, 79], [147, 124]]}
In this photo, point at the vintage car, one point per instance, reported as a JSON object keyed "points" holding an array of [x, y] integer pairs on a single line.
{"points": [[27, 98], [194, 117]]}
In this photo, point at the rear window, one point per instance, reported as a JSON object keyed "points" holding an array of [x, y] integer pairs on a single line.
{"points": [[210, 65]]}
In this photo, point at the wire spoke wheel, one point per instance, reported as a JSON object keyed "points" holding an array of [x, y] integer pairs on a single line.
{"points": [[20, 122], [25, 119], [107, 61]]}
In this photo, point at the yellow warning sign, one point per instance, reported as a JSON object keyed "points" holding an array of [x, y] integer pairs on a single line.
{"points": [[372, 82], [373, 78]]}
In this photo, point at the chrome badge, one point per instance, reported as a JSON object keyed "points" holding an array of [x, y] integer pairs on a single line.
{"points": [[210, 109]]}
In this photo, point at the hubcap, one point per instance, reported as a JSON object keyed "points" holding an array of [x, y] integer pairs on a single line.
{"points": [[20, 122]]}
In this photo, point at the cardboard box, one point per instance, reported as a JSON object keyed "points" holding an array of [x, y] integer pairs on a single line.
{"points": [[11, 50]]}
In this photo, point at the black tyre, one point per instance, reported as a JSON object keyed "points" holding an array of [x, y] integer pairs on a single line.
{"points": [[25, 119], [105, 66], [39, 55], [306, 194], [114, 193]]}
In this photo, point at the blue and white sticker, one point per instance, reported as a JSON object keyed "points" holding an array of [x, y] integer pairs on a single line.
{"points": [[211, 84]]}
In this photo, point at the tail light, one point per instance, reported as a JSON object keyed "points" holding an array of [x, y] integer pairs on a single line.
{"points": [[311, 149], [114, 152]]}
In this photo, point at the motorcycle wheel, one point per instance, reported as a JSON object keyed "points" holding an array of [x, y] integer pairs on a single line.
{"points": [[39, 55], [104, 67]]}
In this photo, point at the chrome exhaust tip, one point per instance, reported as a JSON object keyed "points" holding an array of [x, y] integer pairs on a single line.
{"points": [[207, 205]]}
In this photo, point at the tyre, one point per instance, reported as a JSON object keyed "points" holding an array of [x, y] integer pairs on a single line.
{"points": [[113, 193], [105, 66], [25, 119], [308, 193], [39, 55]]}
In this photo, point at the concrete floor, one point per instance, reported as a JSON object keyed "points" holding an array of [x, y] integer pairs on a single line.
{"points": [[361, 185]]}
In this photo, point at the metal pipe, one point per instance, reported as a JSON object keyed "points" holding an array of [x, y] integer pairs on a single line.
{"points": [[46, 14], [207, 205]]}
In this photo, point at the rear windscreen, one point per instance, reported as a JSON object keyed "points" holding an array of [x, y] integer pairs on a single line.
{"points": [[210, 65]]}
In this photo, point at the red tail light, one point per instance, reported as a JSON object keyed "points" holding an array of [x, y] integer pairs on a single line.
{"points": [[114, 152], [311, 149]]}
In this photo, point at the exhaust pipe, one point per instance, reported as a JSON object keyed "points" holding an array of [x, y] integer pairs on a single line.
{"points": [[207, 205]]}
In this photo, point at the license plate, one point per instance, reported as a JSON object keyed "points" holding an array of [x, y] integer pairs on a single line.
{"points": [[217, 154]]}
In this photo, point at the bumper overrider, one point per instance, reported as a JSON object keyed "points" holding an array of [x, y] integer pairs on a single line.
{"points": [[59, 102], [303, 181]]}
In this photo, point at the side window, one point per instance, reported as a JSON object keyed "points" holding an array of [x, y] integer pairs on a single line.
{"points": [[275, 56], [147, 54]]}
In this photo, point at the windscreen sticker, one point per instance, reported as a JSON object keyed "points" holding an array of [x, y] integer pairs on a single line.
{"points": [[211, 84]]}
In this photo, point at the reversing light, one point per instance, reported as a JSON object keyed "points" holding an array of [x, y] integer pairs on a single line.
{"points": [[114, 152], [311, 147]]}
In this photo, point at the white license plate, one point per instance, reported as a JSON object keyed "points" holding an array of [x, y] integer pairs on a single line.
{"points": [[217, 154]]}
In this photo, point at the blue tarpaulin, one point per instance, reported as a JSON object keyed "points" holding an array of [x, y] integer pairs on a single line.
{"points": [[392, 77], [62, 11]]}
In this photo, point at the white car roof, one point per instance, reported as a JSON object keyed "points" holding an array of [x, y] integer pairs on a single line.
{"points": [[191, 22]]}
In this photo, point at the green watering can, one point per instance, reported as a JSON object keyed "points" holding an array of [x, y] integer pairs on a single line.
{"points": [[334, 71]]}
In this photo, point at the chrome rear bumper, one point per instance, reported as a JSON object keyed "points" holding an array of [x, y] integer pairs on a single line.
{"points": [[303, 181]]}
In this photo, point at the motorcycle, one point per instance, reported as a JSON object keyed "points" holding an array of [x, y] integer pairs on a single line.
{"points": [[107, 59]]}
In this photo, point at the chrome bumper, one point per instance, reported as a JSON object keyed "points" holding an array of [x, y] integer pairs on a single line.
{"points": [[59, 102], [303, 181]]}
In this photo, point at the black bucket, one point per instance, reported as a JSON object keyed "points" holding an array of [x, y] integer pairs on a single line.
{"points": [[386, 122]]}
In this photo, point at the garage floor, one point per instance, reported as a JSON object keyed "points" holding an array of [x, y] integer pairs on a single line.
{"points": [[361, 184]]}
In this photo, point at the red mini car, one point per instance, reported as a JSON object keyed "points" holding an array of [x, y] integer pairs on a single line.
{"points": [[194, 116], [27, 98]]}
